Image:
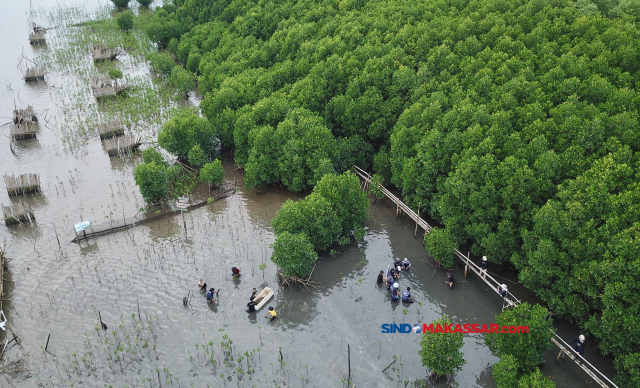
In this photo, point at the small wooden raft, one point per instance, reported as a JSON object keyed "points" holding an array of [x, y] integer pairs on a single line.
{"points": [[38, 35], [35, 73], [22, 184], [22, 115], [100, 52], [24, 130], [111, 129], [18, 213], [104, 86], [122, 145]]}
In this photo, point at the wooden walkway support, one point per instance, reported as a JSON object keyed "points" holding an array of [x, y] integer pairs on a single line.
{"points": [[24, 115], [24, 130], [22, 184], [104, 86], [508, 301], [511, 301], [17, 214], [100, 52], [122, 145], [401, 207], [34, 74], [2, 264], [111, 129]]}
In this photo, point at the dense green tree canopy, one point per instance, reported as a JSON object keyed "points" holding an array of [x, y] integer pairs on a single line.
{"points": [[294, 254], [440, 352], [514, 123], [184, 131]]}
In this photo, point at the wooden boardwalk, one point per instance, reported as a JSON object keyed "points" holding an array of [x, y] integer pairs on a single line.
{"points": [[509, 301], [22, 184], [17, 214]]}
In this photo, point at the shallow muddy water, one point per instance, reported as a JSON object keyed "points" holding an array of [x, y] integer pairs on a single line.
{"points": [[59, 290]]}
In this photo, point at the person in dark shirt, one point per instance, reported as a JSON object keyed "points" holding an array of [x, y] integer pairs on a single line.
{"points": [[397, 263], [251, 305], [202, 285], [406, 296], [389, 281], [502, 290], [578, 346], [406, 264], [253, 294], [380, 277], [483, 263], [450, 280], [210, 294], [395, 295]]}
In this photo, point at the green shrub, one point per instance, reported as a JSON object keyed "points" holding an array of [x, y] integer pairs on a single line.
{"points": [[535, 380], [194, 61], [527, 349], [181, 80], [161, 62], [152, 180], [440, 352], [121, 3], [314, 216], [125, 20], [114, 73], [212, 173], [152, 155], [628, 368], [172, 46], [145, 3], [185, 130], [374, 188], [197, 156], [294, 254], [349, 202], [505, 372], [439, 244]]}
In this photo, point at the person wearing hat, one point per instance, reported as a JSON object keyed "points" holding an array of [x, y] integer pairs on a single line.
{"points": [[450, 280], [271, 314], [578, 346], [210, 294], [395, 294], [502, 290], [406, 264], [483, 266]]}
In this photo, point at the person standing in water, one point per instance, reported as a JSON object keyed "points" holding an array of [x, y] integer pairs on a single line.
{"points": [[406, 264], [253, 294], [380, 277], [235, 272], [271, 314], [450, 280], [395, 294], [202, 285], [251, 305], [406, 296]]}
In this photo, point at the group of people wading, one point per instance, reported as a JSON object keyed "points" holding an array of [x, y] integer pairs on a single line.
{"points": [[390, 281]]}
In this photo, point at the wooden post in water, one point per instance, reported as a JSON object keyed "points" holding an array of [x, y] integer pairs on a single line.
{"points": [[46, 346], [349, 363], [54, 228], [415, 232]]}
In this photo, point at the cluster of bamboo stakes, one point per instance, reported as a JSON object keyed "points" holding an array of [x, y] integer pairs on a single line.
{"points": [[104, 86], [22, 184], [25, 130], [35, 73], [122, 145], [18, 213], [111, 129], [100, 52], [27, 114]]}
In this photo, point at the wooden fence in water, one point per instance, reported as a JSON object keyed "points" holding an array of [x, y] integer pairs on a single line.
{"points": [[17, 214], [22, 184], [508, 301]]}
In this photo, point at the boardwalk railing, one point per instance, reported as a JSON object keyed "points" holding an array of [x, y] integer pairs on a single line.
{"points": [[400, 206], [508, 301]]}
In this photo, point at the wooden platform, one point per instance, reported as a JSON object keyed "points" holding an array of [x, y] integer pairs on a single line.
{"points": [[104, 86], [24, 130], [122, 145], [18, 213], [100, 52], [111, 129], [37, 37], [22, 184], [34, 74], [22, 115]]}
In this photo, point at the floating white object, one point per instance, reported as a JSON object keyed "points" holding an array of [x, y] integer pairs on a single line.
{"points": [[4, 321]]}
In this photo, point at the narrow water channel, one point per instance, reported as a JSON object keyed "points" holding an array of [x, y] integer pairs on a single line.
{"points": [[58, 289]]}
